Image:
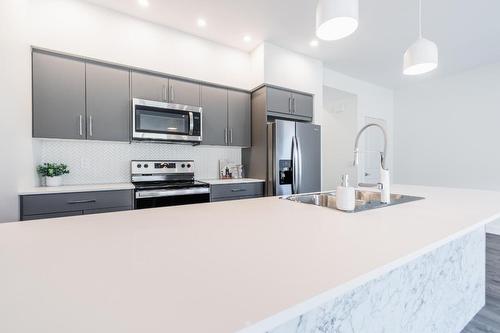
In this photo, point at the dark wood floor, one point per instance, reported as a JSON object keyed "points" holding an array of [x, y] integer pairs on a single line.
{"points": [[488, 319]]}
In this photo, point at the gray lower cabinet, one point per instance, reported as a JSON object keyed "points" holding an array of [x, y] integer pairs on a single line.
{"points": [[184, 92], [69, 204], [239, 118], [214, 103], [108, 102], [58, 96], [224, 192], [149, 86]]}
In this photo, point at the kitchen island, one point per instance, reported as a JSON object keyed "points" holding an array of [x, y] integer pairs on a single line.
{"points": [[256, 265]]}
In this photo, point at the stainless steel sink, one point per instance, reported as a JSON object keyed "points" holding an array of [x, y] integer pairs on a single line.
{"points": [[365, 200]]}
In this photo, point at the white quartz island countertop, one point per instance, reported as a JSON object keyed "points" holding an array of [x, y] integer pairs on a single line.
{"points": [[217, 267]]}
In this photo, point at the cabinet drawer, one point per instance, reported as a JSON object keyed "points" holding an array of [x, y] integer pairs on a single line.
{"points": [[68, 202], [229, 191]]}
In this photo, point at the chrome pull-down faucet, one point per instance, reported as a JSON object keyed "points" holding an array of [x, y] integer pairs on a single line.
{"points": [[384, 185]]}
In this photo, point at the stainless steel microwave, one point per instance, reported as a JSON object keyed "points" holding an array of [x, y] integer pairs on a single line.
{"points": [[159, 121]]}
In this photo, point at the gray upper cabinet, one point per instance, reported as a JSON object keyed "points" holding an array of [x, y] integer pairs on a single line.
{"points": [[214, 103], [58, 97], [149, 86], [278, 100], [302, 105], [108, 102], [290, 104], [184, 92], [239, 118]]}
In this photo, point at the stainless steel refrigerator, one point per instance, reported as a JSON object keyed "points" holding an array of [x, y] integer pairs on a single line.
{"points": [[294, 157]]}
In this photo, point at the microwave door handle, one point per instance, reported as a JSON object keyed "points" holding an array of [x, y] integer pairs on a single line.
{"points": [[191, 123]]}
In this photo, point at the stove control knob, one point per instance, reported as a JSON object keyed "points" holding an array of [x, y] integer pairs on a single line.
{"points": [[183, 165], [139, 166], [146, 166], [189, 165]]}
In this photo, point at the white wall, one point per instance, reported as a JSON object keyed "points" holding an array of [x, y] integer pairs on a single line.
{"points": [[84, 29], [447, 131], [339, 128], [372, 101], [15, 157]]}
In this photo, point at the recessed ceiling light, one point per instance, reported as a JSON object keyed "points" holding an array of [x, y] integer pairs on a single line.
{"points": [[143, 3], [247, 39], [314, 43], [202, 23]]}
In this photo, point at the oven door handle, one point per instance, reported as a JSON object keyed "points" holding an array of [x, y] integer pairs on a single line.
{"points": [[191, 123], [170, 193]]}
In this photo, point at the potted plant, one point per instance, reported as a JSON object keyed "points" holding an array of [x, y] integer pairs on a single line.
{"points": [[53, 173]]}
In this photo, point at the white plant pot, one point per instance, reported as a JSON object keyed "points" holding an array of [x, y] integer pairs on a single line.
{"points": [[53, 181]]}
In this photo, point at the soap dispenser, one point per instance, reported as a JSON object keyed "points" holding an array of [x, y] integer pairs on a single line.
{"points": [[345, 195]]}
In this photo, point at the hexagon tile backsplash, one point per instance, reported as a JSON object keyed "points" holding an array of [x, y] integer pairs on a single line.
{"points": [[94, 162]]}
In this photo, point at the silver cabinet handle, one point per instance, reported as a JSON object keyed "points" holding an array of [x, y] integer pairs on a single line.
{"points": [[238, 190], [91, 126], [81, 125], [225, 135], [290, 104], [165, 97], [81, 201], [294, 106], [172, 93], [231, 136]]}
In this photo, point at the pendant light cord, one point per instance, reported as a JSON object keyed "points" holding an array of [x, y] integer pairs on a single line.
{"points": [[420, 19]]}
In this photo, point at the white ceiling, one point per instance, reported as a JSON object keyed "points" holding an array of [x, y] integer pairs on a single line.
{"points": [[466, 31]]}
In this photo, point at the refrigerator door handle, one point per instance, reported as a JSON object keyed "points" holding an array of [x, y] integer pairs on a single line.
{"points": [[299, 164], [295, 166]]}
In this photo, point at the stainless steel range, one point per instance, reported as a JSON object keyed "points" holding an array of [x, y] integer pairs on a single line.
{"points": [[167, 183]]}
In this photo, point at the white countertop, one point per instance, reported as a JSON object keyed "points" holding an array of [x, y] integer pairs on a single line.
{"points": [[76, 188], [215, 267], [231, 181]]}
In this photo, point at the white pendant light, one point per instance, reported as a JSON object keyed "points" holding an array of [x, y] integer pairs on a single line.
{"points": [[422, 56], [336, 19]]}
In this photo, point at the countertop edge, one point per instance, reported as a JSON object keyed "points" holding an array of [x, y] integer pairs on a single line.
{"points": [[232, 181], [297, 310], [75, 189]]}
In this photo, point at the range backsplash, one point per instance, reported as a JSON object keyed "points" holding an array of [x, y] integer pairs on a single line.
{"points": [[95, 162]]}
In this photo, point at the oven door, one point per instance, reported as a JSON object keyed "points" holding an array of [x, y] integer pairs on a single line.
{"points": [[164, 198], [165, 121]]}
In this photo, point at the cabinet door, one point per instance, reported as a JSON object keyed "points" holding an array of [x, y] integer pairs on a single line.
{"points": [[302, 105], [278, 100], [108, 102], [214, 103], [58, 97], [150, 87], [184, 92], [239, 118]]}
